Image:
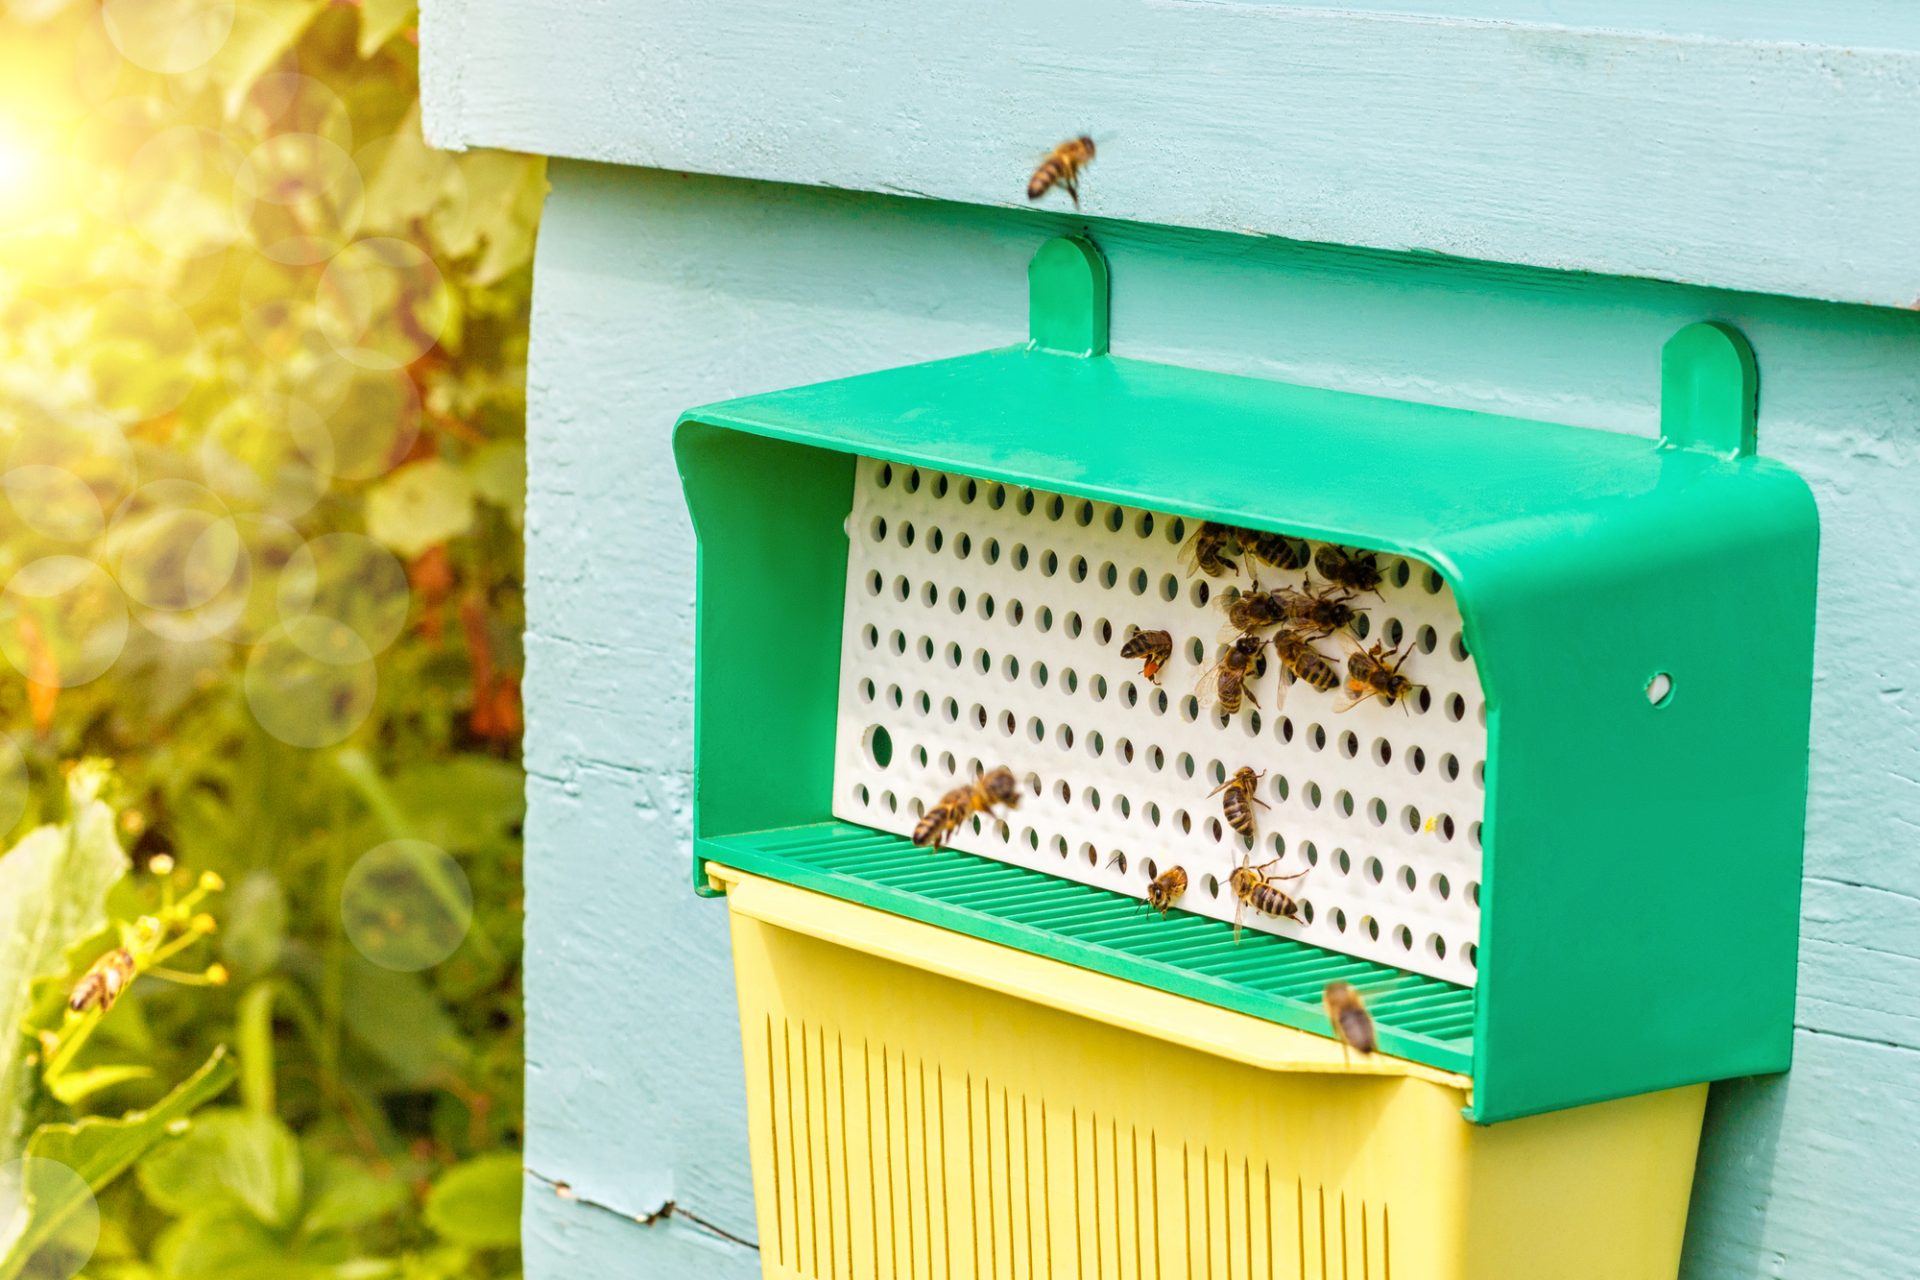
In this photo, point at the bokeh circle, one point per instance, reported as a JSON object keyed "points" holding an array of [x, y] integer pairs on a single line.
{"points": [[168, 38], [305, 700], [351, 580], [383, 303], [63, 621], [300, 196], [34, 1182], [54, 502], [406, 905]]}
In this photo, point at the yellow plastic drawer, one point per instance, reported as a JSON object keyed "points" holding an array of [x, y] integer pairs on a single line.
{"points": [[925, 1104]]}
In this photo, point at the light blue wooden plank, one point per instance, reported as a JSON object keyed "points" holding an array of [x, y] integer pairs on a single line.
{"points": [[634, 1090], [1810, 1176], [570, 1240], [1871, 24], [658, 291], [1788, 164]]}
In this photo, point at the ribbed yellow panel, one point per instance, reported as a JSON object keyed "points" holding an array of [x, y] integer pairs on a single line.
{"points": [[913, 1117]]}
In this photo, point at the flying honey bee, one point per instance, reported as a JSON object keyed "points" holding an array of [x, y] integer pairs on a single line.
{"points": [[941, 820], [937, 825], [1298, 658], [1375, 673], [1348, 1014], [1238, 795], [1253, 887], [1062, 168], [996, 787], [1207, 548], [1275, 549], [1165, 889], [110, 975], [1153, 648], [1357, 571], [1225, 682]]}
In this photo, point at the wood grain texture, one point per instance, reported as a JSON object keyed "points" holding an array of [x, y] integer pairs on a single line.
{"points": [[1765, 164], [657, 291]]}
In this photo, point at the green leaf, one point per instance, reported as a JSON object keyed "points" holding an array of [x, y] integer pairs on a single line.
{"points": [[494, 226], [223, 1244], [262, 31], [53, 889], [467, 803], [406, 179], [76, 1086], [228, 1157], [477, 1204], [346, 1195], [380, 21], [420, 504], [499, 474], [396, 1016], [100, 1150]]}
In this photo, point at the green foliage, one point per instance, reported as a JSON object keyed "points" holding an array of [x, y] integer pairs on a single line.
{"points": [[53, 889], [262, 360], [100, 1150], [478, 1203]]}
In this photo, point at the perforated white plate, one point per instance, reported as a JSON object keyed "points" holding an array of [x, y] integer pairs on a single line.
{"points": [[984, 626]]}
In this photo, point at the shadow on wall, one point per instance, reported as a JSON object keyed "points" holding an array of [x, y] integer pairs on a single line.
{"points": [[1741, 1133]]}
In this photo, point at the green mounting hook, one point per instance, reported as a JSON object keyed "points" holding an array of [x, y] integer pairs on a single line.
{"points": [[1067, 298], [1709, 387]]}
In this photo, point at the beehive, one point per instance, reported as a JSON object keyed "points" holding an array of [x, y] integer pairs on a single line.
{"points": [[1538, 871]]}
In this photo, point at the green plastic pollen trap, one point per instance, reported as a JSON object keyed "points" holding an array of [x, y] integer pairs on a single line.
{"points": [[1641, 616]]}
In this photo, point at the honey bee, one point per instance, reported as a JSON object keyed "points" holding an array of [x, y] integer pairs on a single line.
{"points": [[997, 787], [1298, 657], [1276, 549], [1062, 168], [941, 820], [1352, 1024], [110, 975], [1321, 612], [1253, 887], [1357, 571], [1153, 648], [1166, 888], [1238, 795], [1207, 548], [1375, 673], [1317, 613], [1252, 610], [1225, 682]]}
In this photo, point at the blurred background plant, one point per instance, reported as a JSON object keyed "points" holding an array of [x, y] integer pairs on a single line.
{"points": [[262, 360]]}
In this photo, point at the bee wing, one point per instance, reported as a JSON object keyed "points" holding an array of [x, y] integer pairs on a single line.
{"points": [[1228, 633], [1190, 553], [1355, 699], [1282, 685], [1351, 643], [1207, 687]]}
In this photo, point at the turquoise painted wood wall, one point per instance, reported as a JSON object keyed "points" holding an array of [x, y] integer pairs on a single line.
{"points": [[658, 290]]}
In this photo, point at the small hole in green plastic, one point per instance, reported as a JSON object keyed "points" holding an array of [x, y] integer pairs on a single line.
{"points": [[1660, 689]]}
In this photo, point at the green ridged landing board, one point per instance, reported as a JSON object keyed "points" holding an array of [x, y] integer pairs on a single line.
{"points": [[1276, 979]]}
